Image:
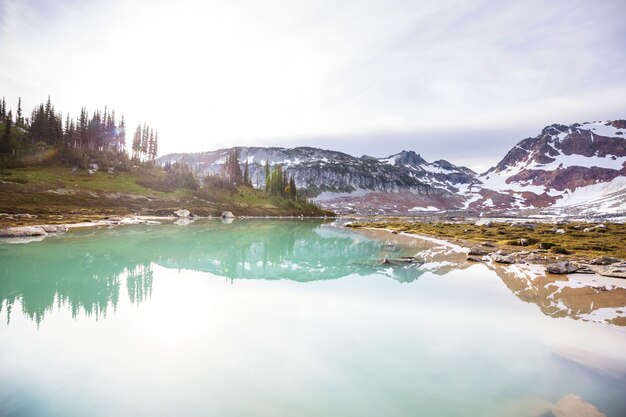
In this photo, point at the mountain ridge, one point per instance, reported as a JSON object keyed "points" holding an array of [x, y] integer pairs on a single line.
{"points": [[536, 173]]}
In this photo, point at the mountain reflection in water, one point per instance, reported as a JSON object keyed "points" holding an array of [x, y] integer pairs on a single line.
{"points": [[87, 270]]}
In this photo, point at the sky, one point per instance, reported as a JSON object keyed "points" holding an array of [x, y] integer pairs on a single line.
{"points": [[456, 80]]}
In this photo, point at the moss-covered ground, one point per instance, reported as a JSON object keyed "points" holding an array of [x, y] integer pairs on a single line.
{"points": [[572, 242]]}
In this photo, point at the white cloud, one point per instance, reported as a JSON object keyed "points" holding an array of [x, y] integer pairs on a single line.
{"points": [[222, 73]]}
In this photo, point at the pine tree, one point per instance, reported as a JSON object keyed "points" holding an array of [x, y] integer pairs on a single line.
{"points": [[246, 174], [293, 193], [121, 135], [267, 175], [145, 138], [5, 140], [18, 119], [3, 108], [136, 147], [155, 145]]}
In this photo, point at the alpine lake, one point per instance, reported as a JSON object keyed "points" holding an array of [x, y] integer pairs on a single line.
{"points": [[263, 317]]}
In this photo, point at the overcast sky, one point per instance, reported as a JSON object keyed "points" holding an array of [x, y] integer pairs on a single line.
{"points": [[458, 80]]}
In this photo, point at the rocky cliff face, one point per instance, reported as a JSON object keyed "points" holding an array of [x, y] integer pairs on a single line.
{"points": [[553, 169]]}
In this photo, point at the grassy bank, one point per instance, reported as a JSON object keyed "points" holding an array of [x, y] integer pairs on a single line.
{"points": [[56, 194], [575, 240]]}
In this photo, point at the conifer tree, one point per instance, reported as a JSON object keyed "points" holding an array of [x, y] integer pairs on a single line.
{"points": [[246, 174], [267, 175], [155, 145], [293, 193], [136, 147], [18, 119], [3, 108], [145, 138], [5, 139], [121, 135]]}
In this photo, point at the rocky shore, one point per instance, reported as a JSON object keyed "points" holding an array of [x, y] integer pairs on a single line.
{"points": [[526, 243]]}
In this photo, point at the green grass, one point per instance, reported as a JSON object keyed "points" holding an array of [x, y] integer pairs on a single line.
{"points": [[53, 191]]}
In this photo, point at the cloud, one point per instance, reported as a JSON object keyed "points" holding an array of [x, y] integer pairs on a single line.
{"points": [[430, 75]]}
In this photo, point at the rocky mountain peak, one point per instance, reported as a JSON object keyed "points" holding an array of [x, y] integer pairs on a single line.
{"points": [[408, 158]]}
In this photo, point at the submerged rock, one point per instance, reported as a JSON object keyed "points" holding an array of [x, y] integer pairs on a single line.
{"points": [[23, 231], [574, 406], [561, 268]]}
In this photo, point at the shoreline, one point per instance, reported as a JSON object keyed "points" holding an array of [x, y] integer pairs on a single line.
{"points": [[555, 265]]}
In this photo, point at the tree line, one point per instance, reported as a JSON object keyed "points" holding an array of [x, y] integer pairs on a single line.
{"points": [[98, 136]]}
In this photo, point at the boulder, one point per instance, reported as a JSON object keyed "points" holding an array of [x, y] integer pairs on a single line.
{"points": [[474, 259], [503, 259], [560, 231], [182, 213], [574, 406], [227, 215], [523, 242], [488, 245], [604, 260], [115, 219], [475, 251], [561, 268], [23, 231]]}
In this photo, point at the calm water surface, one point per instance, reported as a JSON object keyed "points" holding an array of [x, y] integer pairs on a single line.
{"points": [[281, 318]]}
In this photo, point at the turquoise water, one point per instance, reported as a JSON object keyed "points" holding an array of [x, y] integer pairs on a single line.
{"points": [[280, 318]]}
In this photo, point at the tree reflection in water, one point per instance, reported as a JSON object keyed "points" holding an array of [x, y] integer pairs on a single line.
{"points": [[84, 271]]}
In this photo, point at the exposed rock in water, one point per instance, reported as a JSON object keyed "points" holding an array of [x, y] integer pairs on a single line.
{"points": [[227, 215], [574, 406], [503, 259], [474, 259], [23, 231], [617, 270], [476, 252], [182, 213], [115, 219], [561, 268], [54, 228], [604, 260]]}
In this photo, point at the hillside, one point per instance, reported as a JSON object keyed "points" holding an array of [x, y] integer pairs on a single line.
{"points": [[577, 169], [342, 182], [58, 194]]}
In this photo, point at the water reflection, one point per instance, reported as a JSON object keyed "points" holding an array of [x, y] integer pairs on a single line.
{"points": [[85, 271]]}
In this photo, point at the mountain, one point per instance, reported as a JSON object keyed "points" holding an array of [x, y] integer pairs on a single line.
{"points": [[557, 168], [341, 182], [577, 169]]}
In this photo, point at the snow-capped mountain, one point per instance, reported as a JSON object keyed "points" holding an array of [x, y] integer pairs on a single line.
{"points": [[344, 183], [577, 169], [559, 167]]}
